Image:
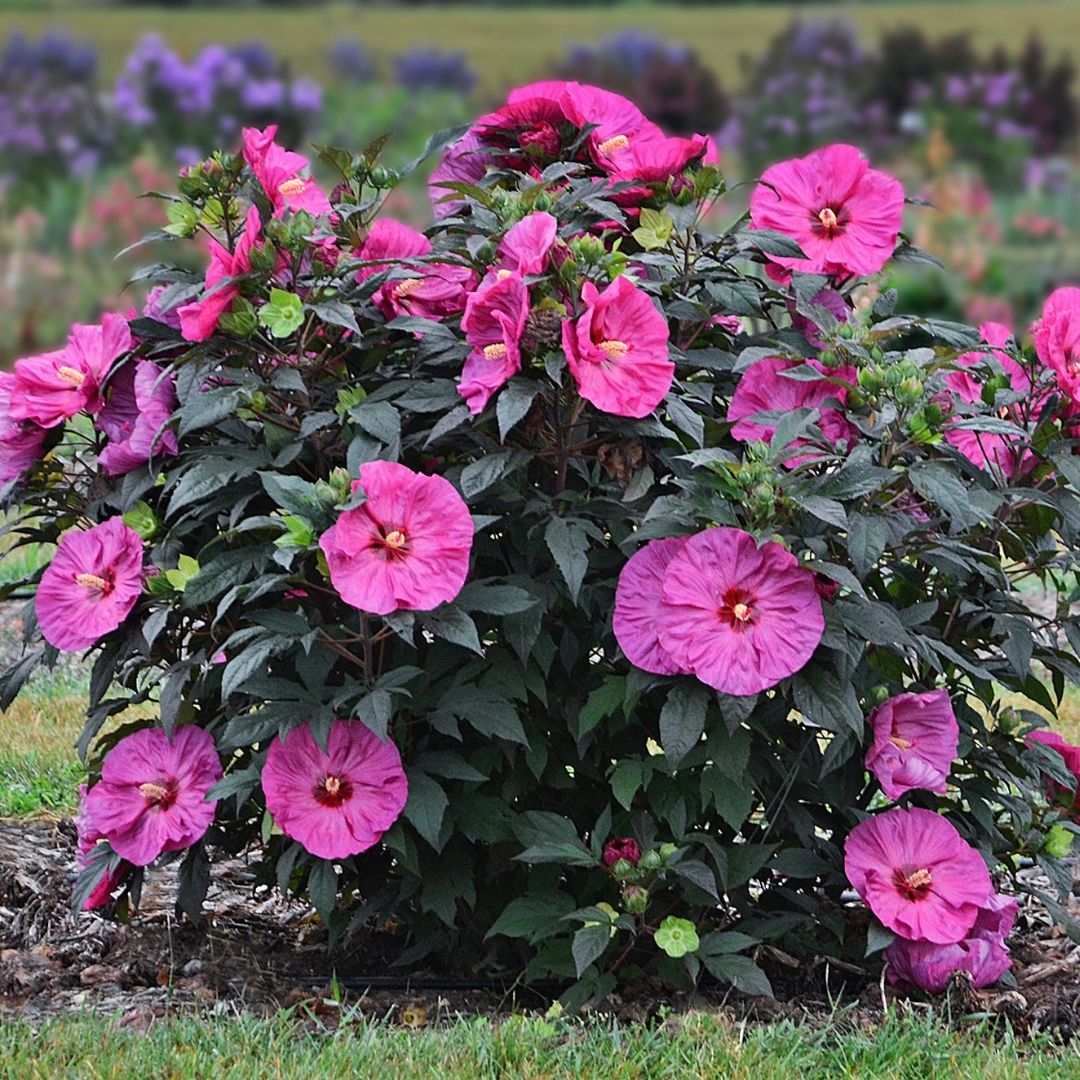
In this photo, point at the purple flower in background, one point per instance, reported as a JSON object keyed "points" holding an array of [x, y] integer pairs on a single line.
{"points": [[351, 61], [423, 68]]}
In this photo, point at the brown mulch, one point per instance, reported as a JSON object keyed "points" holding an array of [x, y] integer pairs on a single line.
{"points": [[257, 951]]}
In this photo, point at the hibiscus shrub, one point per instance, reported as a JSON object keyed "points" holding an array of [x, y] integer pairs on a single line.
{"points": [[579, 591]]}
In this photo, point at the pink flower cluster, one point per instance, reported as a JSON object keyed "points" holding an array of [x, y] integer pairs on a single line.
{"points": [[922, 881], [543, 122], [716, 605]]}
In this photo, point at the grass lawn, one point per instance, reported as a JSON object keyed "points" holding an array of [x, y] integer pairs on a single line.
{"points": [[694, 1045], [510, 46]]}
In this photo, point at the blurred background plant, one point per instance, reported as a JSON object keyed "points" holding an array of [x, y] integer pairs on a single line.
{"points": [[986, 134]]}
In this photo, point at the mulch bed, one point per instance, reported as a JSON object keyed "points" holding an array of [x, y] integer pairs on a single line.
{"points": [[257, 951]]}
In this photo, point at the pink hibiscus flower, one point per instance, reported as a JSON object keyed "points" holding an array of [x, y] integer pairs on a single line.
{"points": [[87, 837], [431, 291], [1070, 755], [616, 123], [638, 606], [339, 801], [493, 322], [53, 387], [21, 442], [983, 954], [925, 966], [980, 447], [91, 585], [406, 548], [199, 319], [915, 741], [738, 616], [279, 172], [762, 388], [141, 400], [525, 247], [917, 875], [1057, 338], [844, 215], [618, 350], [152, 794]]}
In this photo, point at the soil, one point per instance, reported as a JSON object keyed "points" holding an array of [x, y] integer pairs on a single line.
{"points": [[257, 951]]}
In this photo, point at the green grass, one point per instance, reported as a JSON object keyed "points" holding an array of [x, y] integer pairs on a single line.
{"points": [[510, 46], [691, 1045]]}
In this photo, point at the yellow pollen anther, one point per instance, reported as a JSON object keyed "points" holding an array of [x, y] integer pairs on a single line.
{"points": [[495, 352], [920, 879], [741, 612], [333, 785], [901, 744], [616, 142], [295, 186], [153, 792], [827, 217], [395, 540], [503, 274], [409, 285], [614, 349], [71, 375], [90, 581]]}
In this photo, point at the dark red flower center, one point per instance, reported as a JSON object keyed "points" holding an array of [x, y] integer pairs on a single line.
{"points": [[160, 793], [96, 583], [333, 791], [737, 609], [829, 221], [913, 883], [543, 136]]}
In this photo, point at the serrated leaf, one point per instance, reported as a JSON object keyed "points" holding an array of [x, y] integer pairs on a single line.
{"points": [[569, 546], [682, 719]]}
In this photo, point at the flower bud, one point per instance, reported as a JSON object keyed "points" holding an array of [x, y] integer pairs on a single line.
{"points": [[909, 392], [636, 899], [846, 331], [651, 860], [826, 587], [667, 850], [622, 849]]}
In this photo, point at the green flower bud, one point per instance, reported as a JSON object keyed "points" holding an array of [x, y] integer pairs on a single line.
{"points": [[829, 358], [878, 695], [667, 850], [846, 331], [651, 860], [622, 869], [877, 353], [635, 899], [143, 520], [909, 392]]}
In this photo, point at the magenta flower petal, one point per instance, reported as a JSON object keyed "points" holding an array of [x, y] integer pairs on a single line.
{"points": [[21, 441], [152, 794], [762, 388], [339, 801], [917, 875], [844, 215], [88, 835], [638, 606], [279, 172], [199, 319], [915, 741], [525, 247], [738, 616], [494, 319], [925, 966], [90, 586], [1057, 338], [617, 350], [406, 548], [1071, 757], [141, 400]]}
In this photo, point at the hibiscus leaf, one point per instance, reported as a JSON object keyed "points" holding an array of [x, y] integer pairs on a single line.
{"points": [[192, 883], [426, 807], [590, 943], [682, 719], [322, 888], [740, 971], [569, 547], [515, 400]]}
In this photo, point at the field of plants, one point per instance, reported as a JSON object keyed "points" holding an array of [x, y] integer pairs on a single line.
{"points": [[605, 546]]}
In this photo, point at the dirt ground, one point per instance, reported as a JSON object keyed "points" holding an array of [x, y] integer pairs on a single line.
{"points": [[257, 952]]}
